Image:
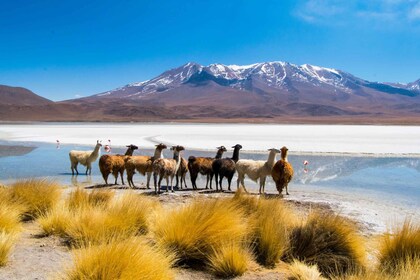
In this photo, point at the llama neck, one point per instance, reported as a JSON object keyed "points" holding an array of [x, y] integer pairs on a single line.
{"points": [[95, 152], [219, 154], [129, 152], [235, 156], [158, 154], [284, 156], [271, 158], [177, 157]]}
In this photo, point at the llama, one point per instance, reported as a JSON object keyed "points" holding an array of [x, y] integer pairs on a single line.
{"points": [[202, 165], [85, 158], [225, 168], [182, 172], [143, 164], [282, 172], [115, 164], [256, 169], [167, 168]]}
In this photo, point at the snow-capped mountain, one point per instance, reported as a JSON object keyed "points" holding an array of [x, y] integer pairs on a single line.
{"points": [[268, 77]]}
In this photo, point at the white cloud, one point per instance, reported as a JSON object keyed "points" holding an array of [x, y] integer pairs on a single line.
{"points": [[78, 95], [382, 12], [414, 13]]}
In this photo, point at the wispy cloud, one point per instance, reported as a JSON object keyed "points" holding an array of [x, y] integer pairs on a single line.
{"points": [[414, 13], [381, 12], [78, 95]]}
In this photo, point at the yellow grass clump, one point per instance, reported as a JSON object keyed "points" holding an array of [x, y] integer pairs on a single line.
{"points": [[129, 259], [401, 249], [10, 216], [407, 270], [55, 221], [6, 243], [82, 198], [38, 196], [230, 259], [301, 271], [274, 222], [195, 230], [330, 242], [123, 218]]}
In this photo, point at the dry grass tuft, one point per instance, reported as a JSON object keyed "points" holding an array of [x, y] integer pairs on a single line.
{"points": [[329, 242], [6, 243], [10, 216], [246, 201], [274, 222], [400, 250], [38, 196], [130, 259], [229, 260], [81, 198], [133, 211], [124, 218], [301, 271], [56, 221], [195, 230]]}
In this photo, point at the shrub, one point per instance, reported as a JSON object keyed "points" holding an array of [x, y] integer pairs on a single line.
{"points": [[6, 243], [229, 260], [273, 224], [56, 221], [301, 271], [82, 198], [129, 259], [195, 230], [400, 249], [124, 218], [10, 216], [328, 241], [38, 196]]}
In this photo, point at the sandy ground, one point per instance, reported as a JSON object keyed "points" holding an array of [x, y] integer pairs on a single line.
{"points": [[369, 139]]}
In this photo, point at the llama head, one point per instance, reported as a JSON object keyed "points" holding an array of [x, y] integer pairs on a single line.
{"points": [[222, 148], [177, 148], [99, 143], [161, 146], [237, 147], [132, 147], [274, 150]]}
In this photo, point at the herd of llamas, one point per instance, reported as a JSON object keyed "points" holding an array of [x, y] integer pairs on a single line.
{"points": [[177, 167]]}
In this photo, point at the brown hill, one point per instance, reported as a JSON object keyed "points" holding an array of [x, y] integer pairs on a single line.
{"points": [[20, 96]]}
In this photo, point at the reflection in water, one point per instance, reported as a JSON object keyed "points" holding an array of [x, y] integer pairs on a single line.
{"points": [[81, 180]]}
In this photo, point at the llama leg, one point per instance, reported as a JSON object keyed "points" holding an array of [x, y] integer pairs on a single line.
{"points": [[177, 182], [72, 169], [122, 178], [172, 186], [167, 184], [149, 174], [207, 181], [185, 183], [216, 178], [229, 181], [75, 167], [211, 179], [160, 181], [220, 183], [287, 192]]}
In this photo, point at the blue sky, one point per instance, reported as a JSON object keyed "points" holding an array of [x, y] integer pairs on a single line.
{"points": [[66, 49]]}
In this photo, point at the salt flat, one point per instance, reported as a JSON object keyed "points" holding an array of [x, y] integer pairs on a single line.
{"points": [[365, 139]]}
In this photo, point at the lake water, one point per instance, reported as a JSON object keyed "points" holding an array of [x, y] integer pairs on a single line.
{"points": [[357, 185]]}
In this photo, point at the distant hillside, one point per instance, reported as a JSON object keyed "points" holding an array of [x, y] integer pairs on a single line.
{"points": [[262, 92], [20, 96]]}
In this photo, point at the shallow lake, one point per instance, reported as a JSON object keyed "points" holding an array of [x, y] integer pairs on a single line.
{"points": [[397, 177], [375, 188]]}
